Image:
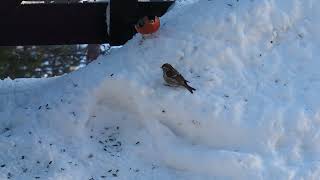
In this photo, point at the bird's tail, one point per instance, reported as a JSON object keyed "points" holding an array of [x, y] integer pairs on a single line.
{"points": [[191, 89]]}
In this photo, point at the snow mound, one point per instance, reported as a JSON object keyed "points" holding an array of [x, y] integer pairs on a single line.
{"points": [[255, 114]]}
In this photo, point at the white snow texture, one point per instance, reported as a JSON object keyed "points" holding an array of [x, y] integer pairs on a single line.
{"points": [[255, 113]]}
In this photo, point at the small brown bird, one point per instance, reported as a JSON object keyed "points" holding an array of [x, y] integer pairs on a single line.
{"points": [[174, 78]]}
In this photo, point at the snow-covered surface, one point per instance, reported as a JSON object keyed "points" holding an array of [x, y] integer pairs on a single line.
{"points": [[255, 114]]}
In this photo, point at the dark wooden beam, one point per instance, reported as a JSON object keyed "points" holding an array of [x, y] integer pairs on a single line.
{"points": [[7, 6], [48, 24], [74, 23]]}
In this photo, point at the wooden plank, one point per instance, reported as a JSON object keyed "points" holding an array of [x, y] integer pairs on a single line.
{"points": [[7, 6], [75, 23], [48, 24]]}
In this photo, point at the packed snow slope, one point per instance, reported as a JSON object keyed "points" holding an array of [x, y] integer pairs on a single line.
{"points": [[255, 113]]}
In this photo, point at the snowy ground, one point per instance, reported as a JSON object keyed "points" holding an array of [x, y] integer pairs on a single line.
{"points": [[255, 114]]}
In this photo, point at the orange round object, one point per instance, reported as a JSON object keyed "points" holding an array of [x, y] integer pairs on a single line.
{"points": [[149, 26]]}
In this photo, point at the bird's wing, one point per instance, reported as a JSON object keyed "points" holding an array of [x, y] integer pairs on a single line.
{"points": [[180, 78], [171, 74], [175, 71]]}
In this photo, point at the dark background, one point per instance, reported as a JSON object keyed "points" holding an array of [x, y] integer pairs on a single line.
{"points": [[40, 24], [45, 61]]}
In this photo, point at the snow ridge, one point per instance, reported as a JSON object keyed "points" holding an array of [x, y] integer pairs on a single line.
{"points": [[255, 114]]}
